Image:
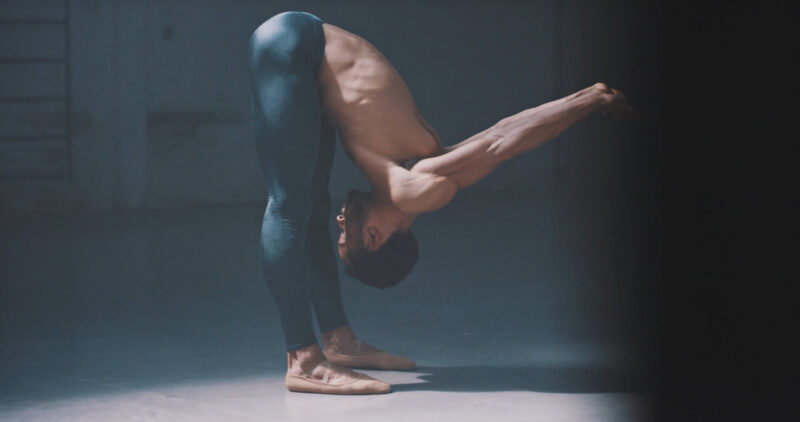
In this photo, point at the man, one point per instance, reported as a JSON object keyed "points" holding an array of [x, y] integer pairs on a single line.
{"points": [[310, 79]]}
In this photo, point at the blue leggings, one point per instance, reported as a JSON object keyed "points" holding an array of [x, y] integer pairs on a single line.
{"points": [[295, 145]]}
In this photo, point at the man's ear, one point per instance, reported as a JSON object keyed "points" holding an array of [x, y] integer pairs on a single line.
{"points": [[371, 239]]}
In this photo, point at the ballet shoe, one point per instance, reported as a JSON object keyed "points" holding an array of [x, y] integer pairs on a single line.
{"points": [[370, 360], [363, 384]]}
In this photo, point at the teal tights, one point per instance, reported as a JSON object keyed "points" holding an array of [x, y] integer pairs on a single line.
{"points": [[295, 145]]}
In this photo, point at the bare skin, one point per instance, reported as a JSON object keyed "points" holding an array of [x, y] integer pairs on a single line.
{"points": [[368, 102]]}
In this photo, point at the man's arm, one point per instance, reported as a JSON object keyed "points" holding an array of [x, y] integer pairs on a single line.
{"points": [[434, 181]]}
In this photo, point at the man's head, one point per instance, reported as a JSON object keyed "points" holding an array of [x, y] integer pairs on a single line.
{"points": [[376, 243]]}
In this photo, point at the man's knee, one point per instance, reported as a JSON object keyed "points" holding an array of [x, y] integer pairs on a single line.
{"points": [[292, 205]]}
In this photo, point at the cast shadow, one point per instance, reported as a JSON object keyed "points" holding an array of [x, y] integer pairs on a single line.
{"points": [[528, 378]]}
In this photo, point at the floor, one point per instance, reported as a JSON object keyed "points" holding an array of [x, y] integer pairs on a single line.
{"points": [[519, 309]]}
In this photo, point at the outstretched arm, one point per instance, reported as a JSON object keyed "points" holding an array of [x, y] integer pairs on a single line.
{"points": [[434, 181]]}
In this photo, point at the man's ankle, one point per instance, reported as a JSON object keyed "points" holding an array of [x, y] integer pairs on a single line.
{"points": [[339, 336], [304, 359]]}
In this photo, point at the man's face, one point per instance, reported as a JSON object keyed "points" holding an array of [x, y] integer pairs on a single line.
{"points": [[351, 222]]}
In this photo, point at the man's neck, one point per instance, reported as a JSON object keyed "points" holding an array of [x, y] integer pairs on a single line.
{"points": [[389, 212]]}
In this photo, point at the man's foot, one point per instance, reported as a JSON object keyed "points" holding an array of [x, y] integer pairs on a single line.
{"points": [[309, 372], [342, 347]]}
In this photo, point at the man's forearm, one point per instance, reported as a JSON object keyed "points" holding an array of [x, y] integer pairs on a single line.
{"points": [[471, 160], [533, 127]]}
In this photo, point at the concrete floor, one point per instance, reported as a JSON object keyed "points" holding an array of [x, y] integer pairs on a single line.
{"points": [[519, 309]]}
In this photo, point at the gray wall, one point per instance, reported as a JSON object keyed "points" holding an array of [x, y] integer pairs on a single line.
{"points": [[159, 105]]}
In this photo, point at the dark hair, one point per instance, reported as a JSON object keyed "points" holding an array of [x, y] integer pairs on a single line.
{"points": [[386, 266]]}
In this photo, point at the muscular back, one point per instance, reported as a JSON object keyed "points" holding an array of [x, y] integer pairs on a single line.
{"points": [[367, 100]]}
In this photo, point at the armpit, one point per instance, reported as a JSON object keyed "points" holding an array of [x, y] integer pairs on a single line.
{"points": [[408, 164]]}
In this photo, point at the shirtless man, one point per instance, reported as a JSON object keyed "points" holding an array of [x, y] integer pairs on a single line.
{"points": [[310, 79]]}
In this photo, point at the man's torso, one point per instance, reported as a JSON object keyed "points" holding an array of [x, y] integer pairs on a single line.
{"points": [[368, 102]]}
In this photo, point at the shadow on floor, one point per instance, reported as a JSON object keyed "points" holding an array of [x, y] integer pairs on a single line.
{"points": [[541, 379]]}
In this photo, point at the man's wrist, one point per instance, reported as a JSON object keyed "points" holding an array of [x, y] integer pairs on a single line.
{"points": [[601, 93]]}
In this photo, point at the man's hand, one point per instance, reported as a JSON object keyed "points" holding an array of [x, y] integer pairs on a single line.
{"points": [[614, 104]]}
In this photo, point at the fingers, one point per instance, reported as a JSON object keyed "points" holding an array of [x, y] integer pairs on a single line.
{"points": [[618, 108], [628, 112]]}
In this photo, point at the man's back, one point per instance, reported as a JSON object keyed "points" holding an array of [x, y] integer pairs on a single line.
{"points": [[369, 103]]}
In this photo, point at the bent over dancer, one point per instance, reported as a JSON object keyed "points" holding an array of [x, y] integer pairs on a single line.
{"points": [[310, 79]]}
